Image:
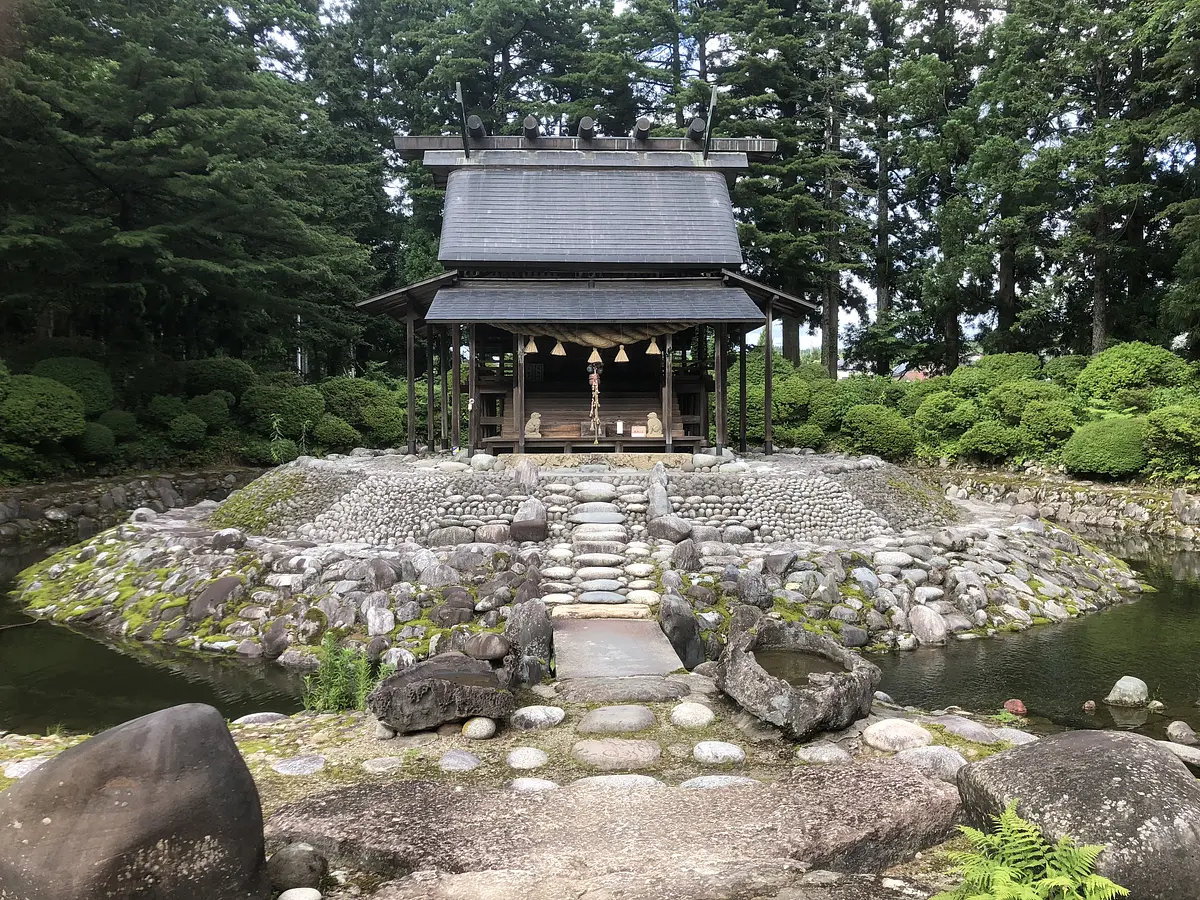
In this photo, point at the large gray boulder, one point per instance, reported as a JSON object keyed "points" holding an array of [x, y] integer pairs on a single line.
{"points": [[448, 687], [1101, 787], [658, 503], [682, 629], [927, 626], [161, 807], [529, 522], [671, 528], [829, 702], [530, 630]]}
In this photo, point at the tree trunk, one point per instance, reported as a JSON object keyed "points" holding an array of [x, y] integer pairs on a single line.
{"points": [[833, 191], [791, 339], [676, 64], [883, 261], [1100, 284], [1006, 295]]}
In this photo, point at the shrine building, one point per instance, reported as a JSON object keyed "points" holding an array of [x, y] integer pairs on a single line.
{"points": [[586, 276]]}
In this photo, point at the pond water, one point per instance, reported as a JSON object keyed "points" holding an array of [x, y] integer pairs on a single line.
{"points": [[52, 676], [1054, 669]]}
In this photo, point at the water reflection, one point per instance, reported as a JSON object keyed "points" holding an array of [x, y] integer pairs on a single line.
{"points": [[53, 676], [1054, 669]]}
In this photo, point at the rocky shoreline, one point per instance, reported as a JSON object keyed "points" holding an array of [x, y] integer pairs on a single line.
{"points": [[852, 549]]}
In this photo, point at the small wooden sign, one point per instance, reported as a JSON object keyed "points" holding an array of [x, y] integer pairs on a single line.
{"points": [[637, 430]]}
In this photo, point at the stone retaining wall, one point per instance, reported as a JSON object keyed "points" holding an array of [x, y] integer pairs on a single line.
{"points": [[1081, 504], [77, 510]]}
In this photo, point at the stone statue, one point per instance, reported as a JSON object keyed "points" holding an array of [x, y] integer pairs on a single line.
{"points": [[653, 426], [533, 428]]}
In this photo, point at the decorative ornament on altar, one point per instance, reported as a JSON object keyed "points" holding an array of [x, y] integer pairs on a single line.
{"points": [[559, 349], [654, 427], [533, 428], [653, 350]]}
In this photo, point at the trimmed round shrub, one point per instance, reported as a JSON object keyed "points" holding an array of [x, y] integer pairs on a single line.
{"points": [[991, 440], [1173, 437], [213, 408], [1131, 365], [831, 400], [147, 451], [123, 424], [40, 410], [162, 410], [281, 378], [871, 428], [915, 392], [262, 452], [218, 373], [1049, 422], [943, 415], [1135, 399], [1010, 399], [1112, 447], [337, 434], [187, 430], [296, 410], [1184, 395], [97, 443], [806, 435], [86, 377], [1010, 366], [384, 422], [970, 381], [348, 397], [1064, 370]]}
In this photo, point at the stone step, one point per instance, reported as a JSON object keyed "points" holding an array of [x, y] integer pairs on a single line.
{"points": [[601, 611], [595, 507], [612, 648], [558, 573], [600, 584], [557, 598], [604, 547], [603, 560], [587, 573], [601, 597], [600, 533], [596, 518], [561, 587]]}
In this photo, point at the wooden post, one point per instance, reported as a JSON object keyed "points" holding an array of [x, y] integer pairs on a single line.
{"points": [[719, 371], [703, 334], [473, 410], [768, 355], [456, 379], [519, 404], [410, 373], [443, 375], [429, 375], [742, 445], [669, 392]]}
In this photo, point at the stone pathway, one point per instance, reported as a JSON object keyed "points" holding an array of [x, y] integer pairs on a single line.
{"points": [[608, 648]]}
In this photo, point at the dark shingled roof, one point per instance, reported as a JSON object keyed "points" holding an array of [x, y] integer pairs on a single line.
{"points": [[497, 215], [619, 300]]}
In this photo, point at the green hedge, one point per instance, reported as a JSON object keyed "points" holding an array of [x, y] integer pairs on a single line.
{"points": [[1132, 365], [336, 434], [86, 377], [39, 410], [295, 411], [991, 441], [123, 424], [187, 430], [218, 373], [97, 443], [1049, 422], [213, 408], [1173, 438], [1110, 447], [871, 428]]}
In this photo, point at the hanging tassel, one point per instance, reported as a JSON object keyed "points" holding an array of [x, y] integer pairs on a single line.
{"points": [[653, 350], [531, 347], [559, 349], [595, 357], [621, 357]]}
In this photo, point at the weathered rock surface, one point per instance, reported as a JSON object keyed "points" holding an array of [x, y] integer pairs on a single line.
{"points": [[679, 624], [165, 800], [1128, 691], [505, 844], [448, 687], [1120, 790], [830, 702]]}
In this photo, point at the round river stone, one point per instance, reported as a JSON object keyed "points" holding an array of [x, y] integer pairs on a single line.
{"points": [[536, 718], [718, 753], [532, 785], [615, 754], [308, 764], [893, 735], [691, 715], [527, 758], [617, 720], [458, 761]]}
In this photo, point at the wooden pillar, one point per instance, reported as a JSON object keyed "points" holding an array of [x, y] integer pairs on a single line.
{"points": [[742, 445], [669, 392], [456, 381], [410, 373], [768, 355], [429, 375], [443, 376], [519, 398], [719, 366], [473, 410], [702, 331]]}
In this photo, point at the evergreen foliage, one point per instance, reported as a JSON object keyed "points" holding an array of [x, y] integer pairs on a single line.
{"points": [[39, 411], [1110, 447], [870, 428], [86, 377], [1014, 862], [187, 430], [343, 679]]}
